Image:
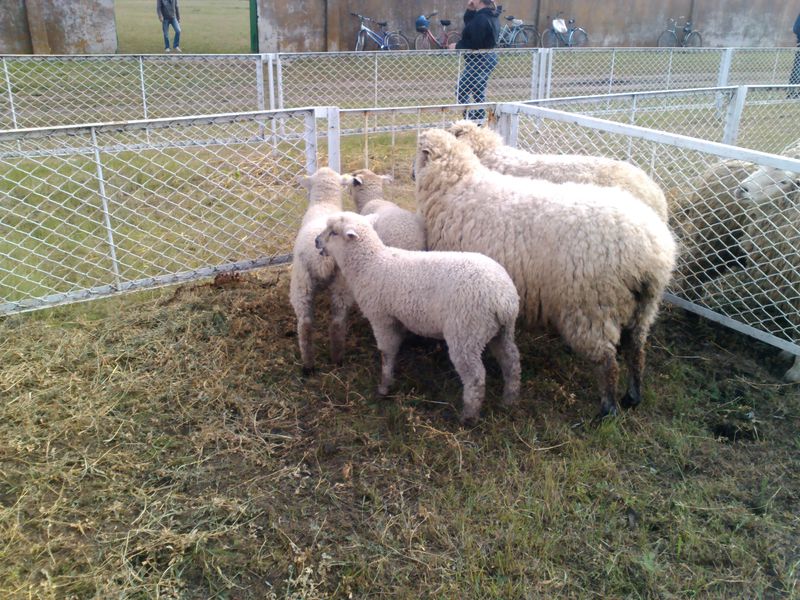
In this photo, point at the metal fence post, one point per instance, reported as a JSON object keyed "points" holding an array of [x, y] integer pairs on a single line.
{"points": [[334, 134], [310, 137], [112, 249], [611, 74], [375, 80], [259, 83], [144, 90], [535, 67], [669, 69], [546, 82], [270, 58], [507, 125], [733, 117], [10, 95], [279, 73], [725, 67]]}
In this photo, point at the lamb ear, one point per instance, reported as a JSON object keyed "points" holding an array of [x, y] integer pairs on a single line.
{"points": [[351, 234], [347, 179], [358, 180], [387, 178], [372, 219], [305, 181]]}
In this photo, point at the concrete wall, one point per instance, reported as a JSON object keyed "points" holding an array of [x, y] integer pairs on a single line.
{"points": [[318, 25], [57, 27]]}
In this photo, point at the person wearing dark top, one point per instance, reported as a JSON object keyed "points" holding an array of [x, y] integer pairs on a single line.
{"points": [[481, 29], [794, 78], [169, 14]]}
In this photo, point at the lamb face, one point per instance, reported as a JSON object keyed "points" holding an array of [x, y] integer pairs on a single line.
{"points": [[339, 231], [768, 185]]}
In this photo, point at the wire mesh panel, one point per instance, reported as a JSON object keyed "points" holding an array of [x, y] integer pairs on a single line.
{"points": [[736, 214], [770, 119], [198, 85], [87, 212], [751, 66]]}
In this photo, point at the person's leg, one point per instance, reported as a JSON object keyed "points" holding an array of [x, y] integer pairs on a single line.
{"points": [[466, 82], [484, 69], [165, 31], [794, 77], [176, 26]]}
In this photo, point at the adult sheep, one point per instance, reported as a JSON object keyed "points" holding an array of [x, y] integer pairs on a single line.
{"points": [[488, 146], [312, 273], [396, 226], [466, 299], [587, 260]]}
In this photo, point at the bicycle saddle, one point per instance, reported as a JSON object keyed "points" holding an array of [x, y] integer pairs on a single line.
{"points": [[509, 18], [383, 23], [445, 22]]}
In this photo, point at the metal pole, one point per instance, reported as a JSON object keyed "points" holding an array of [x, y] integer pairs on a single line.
{"points": [[270, 79], [632, 122], [10, 95], [611, 75], [106, 215], [669, 68], [548, 83], [259, 83], [253, 25], [375, 80], [724, 67], [535, 66], [141, 83], [334, 138], [310, 135], [733, 117]]}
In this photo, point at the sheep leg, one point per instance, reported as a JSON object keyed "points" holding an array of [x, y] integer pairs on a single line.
{"points": [[608, 375], [303, 304], [632, 346], [389, 336], [341, 300], [466, 358], [505, 351]]}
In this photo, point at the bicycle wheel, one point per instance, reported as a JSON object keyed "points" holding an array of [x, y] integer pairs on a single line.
{"points": [[365, 43], [667, 39], [693, 40], [396, 41], [453, 37], [525, 37], [422, 42], [550, 39], [578, 38]]}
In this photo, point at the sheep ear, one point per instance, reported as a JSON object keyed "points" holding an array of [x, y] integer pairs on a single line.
{"points": [[351, 234], [387, 178], [304, 181], [358, 180], [372, 218], [347, 179]]}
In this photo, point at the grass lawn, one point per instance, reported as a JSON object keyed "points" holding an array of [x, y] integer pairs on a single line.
{"points": [[164, 445], [208, 27]]}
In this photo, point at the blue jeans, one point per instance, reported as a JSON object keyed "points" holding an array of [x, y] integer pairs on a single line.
{"points": [[474, 79], [176, 27]]}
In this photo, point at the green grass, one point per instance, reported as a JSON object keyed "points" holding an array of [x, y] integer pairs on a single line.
{"points": [[163, 445], [208, 27]]}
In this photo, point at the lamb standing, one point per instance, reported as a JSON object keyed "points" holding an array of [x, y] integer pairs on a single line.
{"points": [[586, 260], [312, 273], [396, 226], [466, 299], [488, 146]]}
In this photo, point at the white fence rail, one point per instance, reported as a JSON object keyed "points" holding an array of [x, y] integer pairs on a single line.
{"points": [[96, 210], [41, 91], [91, 211]]}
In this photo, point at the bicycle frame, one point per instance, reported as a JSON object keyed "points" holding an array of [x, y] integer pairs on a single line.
{"points": [[379, 37]]}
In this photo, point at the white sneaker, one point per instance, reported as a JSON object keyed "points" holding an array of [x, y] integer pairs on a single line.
{"points": [[178, 49], [166, 50]]}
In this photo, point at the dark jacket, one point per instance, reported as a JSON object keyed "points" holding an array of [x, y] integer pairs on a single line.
{"points": [[796, 29], [479, 30], [168, 9]]}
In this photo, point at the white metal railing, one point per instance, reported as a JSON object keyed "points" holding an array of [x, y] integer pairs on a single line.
{"points": [[39, 91], [91, 211]]}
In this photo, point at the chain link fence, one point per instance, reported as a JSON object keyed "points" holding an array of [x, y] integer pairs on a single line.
{"points": [[87, 212], [38, 91], [735, 212]]}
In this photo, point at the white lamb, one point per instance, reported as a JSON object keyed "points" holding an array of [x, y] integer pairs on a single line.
{"points": [[586, 260], [488, 146], [396, 226], [312, 273], [466, 299]]}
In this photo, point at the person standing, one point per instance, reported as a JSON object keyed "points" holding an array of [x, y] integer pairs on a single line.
{"points": [[794, 78], [169, 14], [480, 32]]}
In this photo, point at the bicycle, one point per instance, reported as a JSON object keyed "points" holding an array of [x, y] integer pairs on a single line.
{"points": [[426, 40], [563, 33], [689, 38], [515, 34], [368, 39]]}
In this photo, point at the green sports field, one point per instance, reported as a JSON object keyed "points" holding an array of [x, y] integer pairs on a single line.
{"points": [[207, 27]]}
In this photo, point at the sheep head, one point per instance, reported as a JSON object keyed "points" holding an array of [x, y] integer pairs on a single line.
{"points": [[323, 184], [365, 186], [343, 230], [769, 186], [482, 140], [437, 146]]}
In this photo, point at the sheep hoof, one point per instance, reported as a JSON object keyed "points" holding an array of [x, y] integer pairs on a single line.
{"points": [[382, 391], [605, 413], [468, 421], [628, 401], [307, 371]]}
